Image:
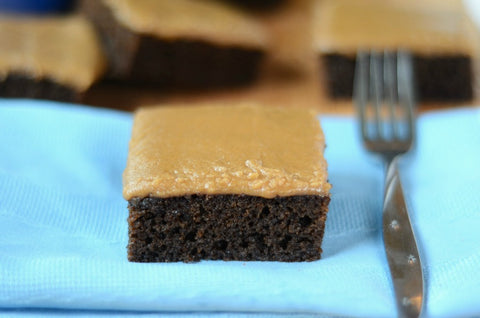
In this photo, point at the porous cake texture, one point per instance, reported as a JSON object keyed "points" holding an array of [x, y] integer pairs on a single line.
{"points": [[233, 182]]}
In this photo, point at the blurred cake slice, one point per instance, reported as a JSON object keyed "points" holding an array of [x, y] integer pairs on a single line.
{"points": [[180, 43], [56, 58], [439, 35]]}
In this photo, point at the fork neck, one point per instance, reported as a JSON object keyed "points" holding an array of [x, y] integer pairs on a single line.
{"points": [[391, 162], [390, 158]]}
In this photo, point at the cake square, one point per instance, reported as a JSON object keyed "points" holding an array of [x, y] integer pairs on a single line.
{"points": [[181, 43], [54, 57], [216, 182], [439, 35]]}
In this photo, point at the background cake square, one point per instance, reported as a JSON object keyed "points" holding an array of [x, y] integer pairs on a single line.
{"points": [[439, 35]]}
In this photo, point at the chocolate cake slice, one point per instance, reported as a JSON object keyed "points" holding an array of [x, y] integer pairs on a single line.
{"points": [[180, 44], [226, 183], [55, 58], [440, 37]]}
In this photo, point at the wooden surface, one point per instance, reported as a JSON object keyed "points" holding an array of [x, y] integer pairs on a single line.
{"points": [[290, 76]]}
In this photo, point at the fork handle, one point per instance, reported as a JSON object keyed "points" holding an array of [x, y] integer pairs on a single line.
{"points": [[401, 247]]}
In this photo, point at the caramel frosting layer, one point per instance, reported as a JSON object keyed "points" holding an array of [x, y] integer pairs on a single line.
{"points": [[64, 49], [419, 26], [191, 19], [216, 149]]}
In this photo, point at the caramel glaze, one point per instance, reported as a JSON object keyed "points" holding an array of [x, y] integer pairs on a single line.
{"points": [[424, 27], [189, 19], [213, 149]]}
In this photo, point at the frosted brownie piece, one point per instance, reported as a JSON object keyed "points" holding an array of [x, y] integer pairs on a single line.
{"points": [[181, 43], [226, 183], [440, 37], [55, 58]]}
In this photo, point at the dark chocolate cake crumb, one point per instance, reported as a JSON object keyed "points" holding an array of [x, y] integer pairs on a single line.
{"points": [[226, 227], [263, 5]]}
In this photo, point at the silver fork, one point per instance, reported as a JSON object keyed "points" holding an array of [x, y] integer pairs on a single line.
{"points": [[384, 98]]}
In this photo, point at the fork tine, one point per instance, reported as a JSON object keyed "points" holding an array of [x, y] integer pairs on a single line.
{"points": [[375, 84], [390, 88], [405, 90], [361, 89]]}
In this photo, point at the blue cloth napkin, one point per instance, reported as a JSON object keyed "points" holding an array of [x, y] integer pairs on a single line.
{"points": [[63, 228]]}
